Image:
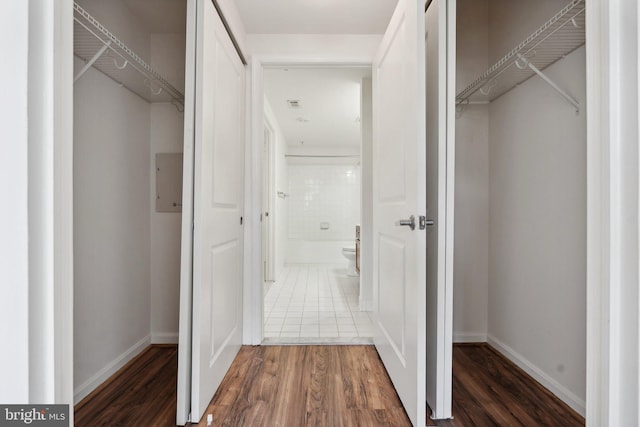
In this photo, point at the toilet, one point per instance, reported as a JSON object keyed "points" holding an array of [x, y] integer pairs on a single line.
{"points": [[350, 254]]}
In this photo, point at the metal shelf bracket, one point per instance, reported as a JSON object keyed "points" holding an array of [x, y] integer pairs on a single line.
{"points": [[92, 61], [523, 62]]}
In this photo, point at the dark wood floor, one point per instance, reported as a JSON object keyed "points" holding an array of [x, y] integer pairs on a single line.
{"points": [[489, 390], [143, 393], [307, 386], [323, 386]]}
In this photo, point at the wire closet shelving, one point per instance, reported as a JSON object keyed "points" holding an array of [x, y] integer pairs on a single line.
{"points": [[99, 48], [558, 37]]}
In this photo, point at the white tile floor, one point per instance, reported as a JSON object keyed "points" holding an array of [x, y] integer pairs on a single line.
{"points": [[315, 303]]}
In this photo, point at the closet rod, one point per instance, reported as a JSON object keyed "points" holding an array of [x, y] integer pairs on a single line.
{"points": [[550, 82]]}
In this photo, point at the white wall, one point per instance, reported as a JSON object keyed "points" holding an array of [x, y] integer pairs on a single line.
{"points": [[537, 244], [319, 47], [166, 136], [111, 216], [471, 263], [511, 22], [281, 185], [14, 253], [111, 213], [118, 19]]}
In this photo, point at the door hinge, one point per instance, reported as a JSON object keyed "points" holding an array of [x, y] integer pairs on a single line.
{"points": [[240, 220]]}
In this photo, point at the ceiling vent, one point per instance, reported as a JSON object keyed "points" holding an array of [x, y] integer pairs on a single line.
{"points": [[293, 103]]}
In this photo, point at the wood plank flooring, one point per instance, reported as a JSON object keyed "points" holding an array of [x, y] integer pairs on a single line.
{"points": [[322, 386], [489, 390], [307, 386], [142, 393]]}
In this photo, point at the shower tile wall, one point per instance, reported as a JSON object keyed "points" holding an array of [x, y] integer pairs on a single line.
{"points": [[320, 194]]}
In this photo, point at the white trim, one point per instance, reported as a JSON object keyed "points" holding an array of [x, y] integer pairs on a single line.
{"points": [[111, 368], [164, 338], [183, 405], [253, 284], [469, 337], [613, 344], [50, 198], [450, 102], [539, 375], [253, 271], [596, 23], [269, 257], [63, 202]]}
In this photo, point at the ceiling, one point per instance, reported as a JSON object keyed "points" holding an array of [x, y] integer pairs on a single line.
{"points": [[315, 16], [329, 109], [160, 16], [278, 16]]}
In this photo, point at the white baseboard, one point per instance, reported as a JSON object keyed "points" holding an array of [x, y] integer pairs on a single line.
{"points": [[469, 337], [103, 374], [365, 305], [164, 338], [539, 375]]}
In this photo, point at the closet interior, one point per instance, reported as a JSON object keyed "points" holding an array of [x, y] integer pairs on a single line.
{"points": [[520, 208], [129, 66]]}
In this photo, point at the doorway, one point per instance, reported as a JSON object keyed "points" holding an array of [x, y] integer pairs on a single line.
{"points": [[521, 150], [128, 143], [312, 172]]}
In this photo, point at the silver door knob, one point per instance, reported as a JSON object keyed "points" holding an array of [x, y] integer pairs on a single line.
{"points": [[411, 222], [424, 222]]}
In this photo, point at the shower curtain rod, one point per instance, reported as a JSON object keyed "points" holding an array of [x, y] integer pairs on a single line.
{"points": [[345, 156]]}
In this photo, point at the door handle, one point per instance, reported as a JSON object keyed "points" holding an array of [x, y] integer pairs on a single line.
{"points": [[424, 222], [411, 222]]}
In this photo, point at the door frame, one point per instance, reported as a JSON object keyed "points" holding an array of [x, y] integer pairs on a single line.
{"points": [[269, 202], [254, 289], [444, 306]]}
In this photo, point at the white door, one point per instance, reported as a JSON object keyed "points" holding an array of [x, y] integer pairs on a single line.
{"points": [[440, 163], [218, 207], [399, 193]]}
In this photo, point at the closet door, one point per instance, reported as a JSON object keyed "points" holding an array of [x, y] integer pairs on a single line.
{"points": [[218, 207], [399, 196]]}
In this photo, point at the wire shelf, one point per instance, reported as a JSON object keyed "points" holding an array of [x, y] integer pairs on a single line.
{"points": [[98, 47], [557, 38]]}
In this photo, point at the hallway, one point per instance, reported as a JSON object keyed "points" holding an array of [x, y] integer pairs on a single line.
{"points": [[315, 303]]}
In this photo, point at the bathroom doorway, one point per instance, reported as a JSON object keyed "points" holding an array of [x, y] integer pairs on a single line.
{"points": [[316, 138]]}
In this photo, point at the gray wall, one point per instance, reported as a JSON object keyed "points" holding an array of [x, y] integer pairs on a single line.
{"points": [[471, 259]]}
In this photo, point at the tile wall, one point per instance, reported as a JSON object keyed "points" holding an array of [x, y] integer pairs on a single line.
{"points": [[324, 202]]}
